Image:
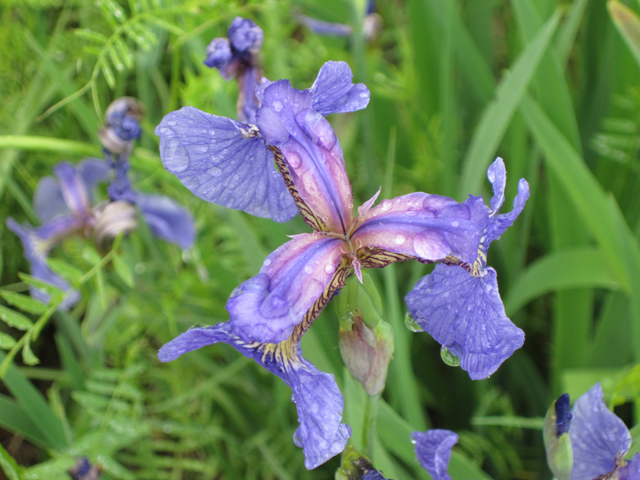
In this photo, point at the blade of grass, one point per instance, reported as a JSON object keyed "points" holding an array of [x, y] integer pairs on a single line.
{"points": [[628, 24], [497, 115]]}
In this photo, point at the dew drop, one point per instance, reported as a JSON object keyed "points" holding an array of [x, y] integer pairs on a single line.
{"points": [[166, 131], [412, 212], [412, 324], [308, 269], [329, 268], [277, 106], [202, 148], [386, 205], [449, 358], [171, 123], [400, 239], [455, 223], [267, 262], [294, 160], [215, 171]]}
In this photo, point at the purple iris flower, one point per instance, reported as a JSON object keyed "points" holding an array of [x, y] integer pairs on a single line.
{"points": [[237, 57], [83, 470], [64, 205], [232, 164], [459, 304], [599, 440], [371, 27], [433, 449], [166, 219]]}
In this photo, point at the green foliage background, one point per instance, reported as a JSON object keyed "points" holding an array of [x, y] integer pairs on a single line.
{"points": [[550, 85]]}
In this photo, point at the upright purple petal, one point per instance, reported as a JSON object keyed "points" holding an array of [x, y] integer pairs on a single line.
{"points": [[247, 101], [93, 171], [334, 92], [433, 449], [268, 306], [429, 227], [315, 393], [48, 200], [312, 152], [36, 249], [598, 436], [219, 56], [73, 188], [167, 219], [465, 314], [120, 188], [224, 162], [245, 35]]}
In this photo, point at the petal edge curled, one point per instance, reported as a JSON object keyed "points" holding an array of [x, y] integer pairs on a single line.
{"points": [[433, 449]]}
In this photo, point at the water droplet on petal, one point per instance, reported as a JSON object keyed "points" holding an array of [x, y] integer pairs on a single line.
{"points": [[308, 269], [412, 324], [277, 106], [215, 171], [449, 358], [400, 239], [412, 212], [293, 159], [455, 223], [267, 262], [329, 268], [171, 122], [386, 205]]}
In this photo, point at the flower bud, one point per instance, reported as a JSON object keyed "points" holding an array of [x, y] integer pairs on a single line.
{"points": [[366, 353], [556, 438], [356, 466], [123, 119]]}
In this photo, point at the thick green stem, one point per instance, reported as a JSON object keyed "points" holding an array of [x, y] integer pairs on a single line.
{"points": [[369, 425]]}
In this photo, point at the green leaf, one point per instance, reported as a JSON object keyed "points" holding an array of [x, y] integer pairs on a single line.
{"points": [[6, 341], [90, 35], [47, 288], [628, 24], [536, 423], [23, 302], [66, 271], [9, 465], [124, 271], [15, 319], [27, 354], [568, 268], [497, 115]]}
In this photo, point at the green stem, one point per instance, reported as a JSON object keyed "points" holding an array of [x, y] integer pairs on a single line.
{"points": [[369, 424]]}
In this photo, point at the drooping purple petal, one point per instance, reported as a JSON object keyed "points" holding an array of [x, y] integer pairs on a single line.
{"points": [[266, 307], [598, 436], [36, 249], [466, 315], [429, 227], [321, 27], [73, 188], [315, 393], [631, 471], [224, 162], [433, 449], [167, 219], [245, 35], [312, 152], [334, 92]]}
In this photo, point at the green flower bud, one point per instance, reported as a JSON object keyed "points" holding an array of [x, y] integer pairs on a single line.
{"points": [[556, 438]]}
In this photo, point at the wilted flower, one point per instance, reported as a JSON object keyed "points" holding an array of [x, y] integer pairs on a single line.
{"points": [[270, 312], [237, 57], [459, 304], [64, 205], [166, 219]]}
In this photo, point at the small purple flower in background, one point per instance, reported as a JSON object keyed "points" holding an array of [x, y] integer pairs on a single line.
{"points": [[371, 27], [166, 219], [270, 312], [599, 440], [85, 471], [459, 304], [237, 57], [64, 205]]}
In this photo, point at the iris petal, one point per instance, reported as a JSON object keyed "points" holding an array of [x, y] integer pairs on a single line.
{"points": [[222, 162], [317, 397], [167, 219], [268, 306], [598, 436], [334, 92], [73, 188], [466, 315], [311, 149], [433, 449], [429, 227]]}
